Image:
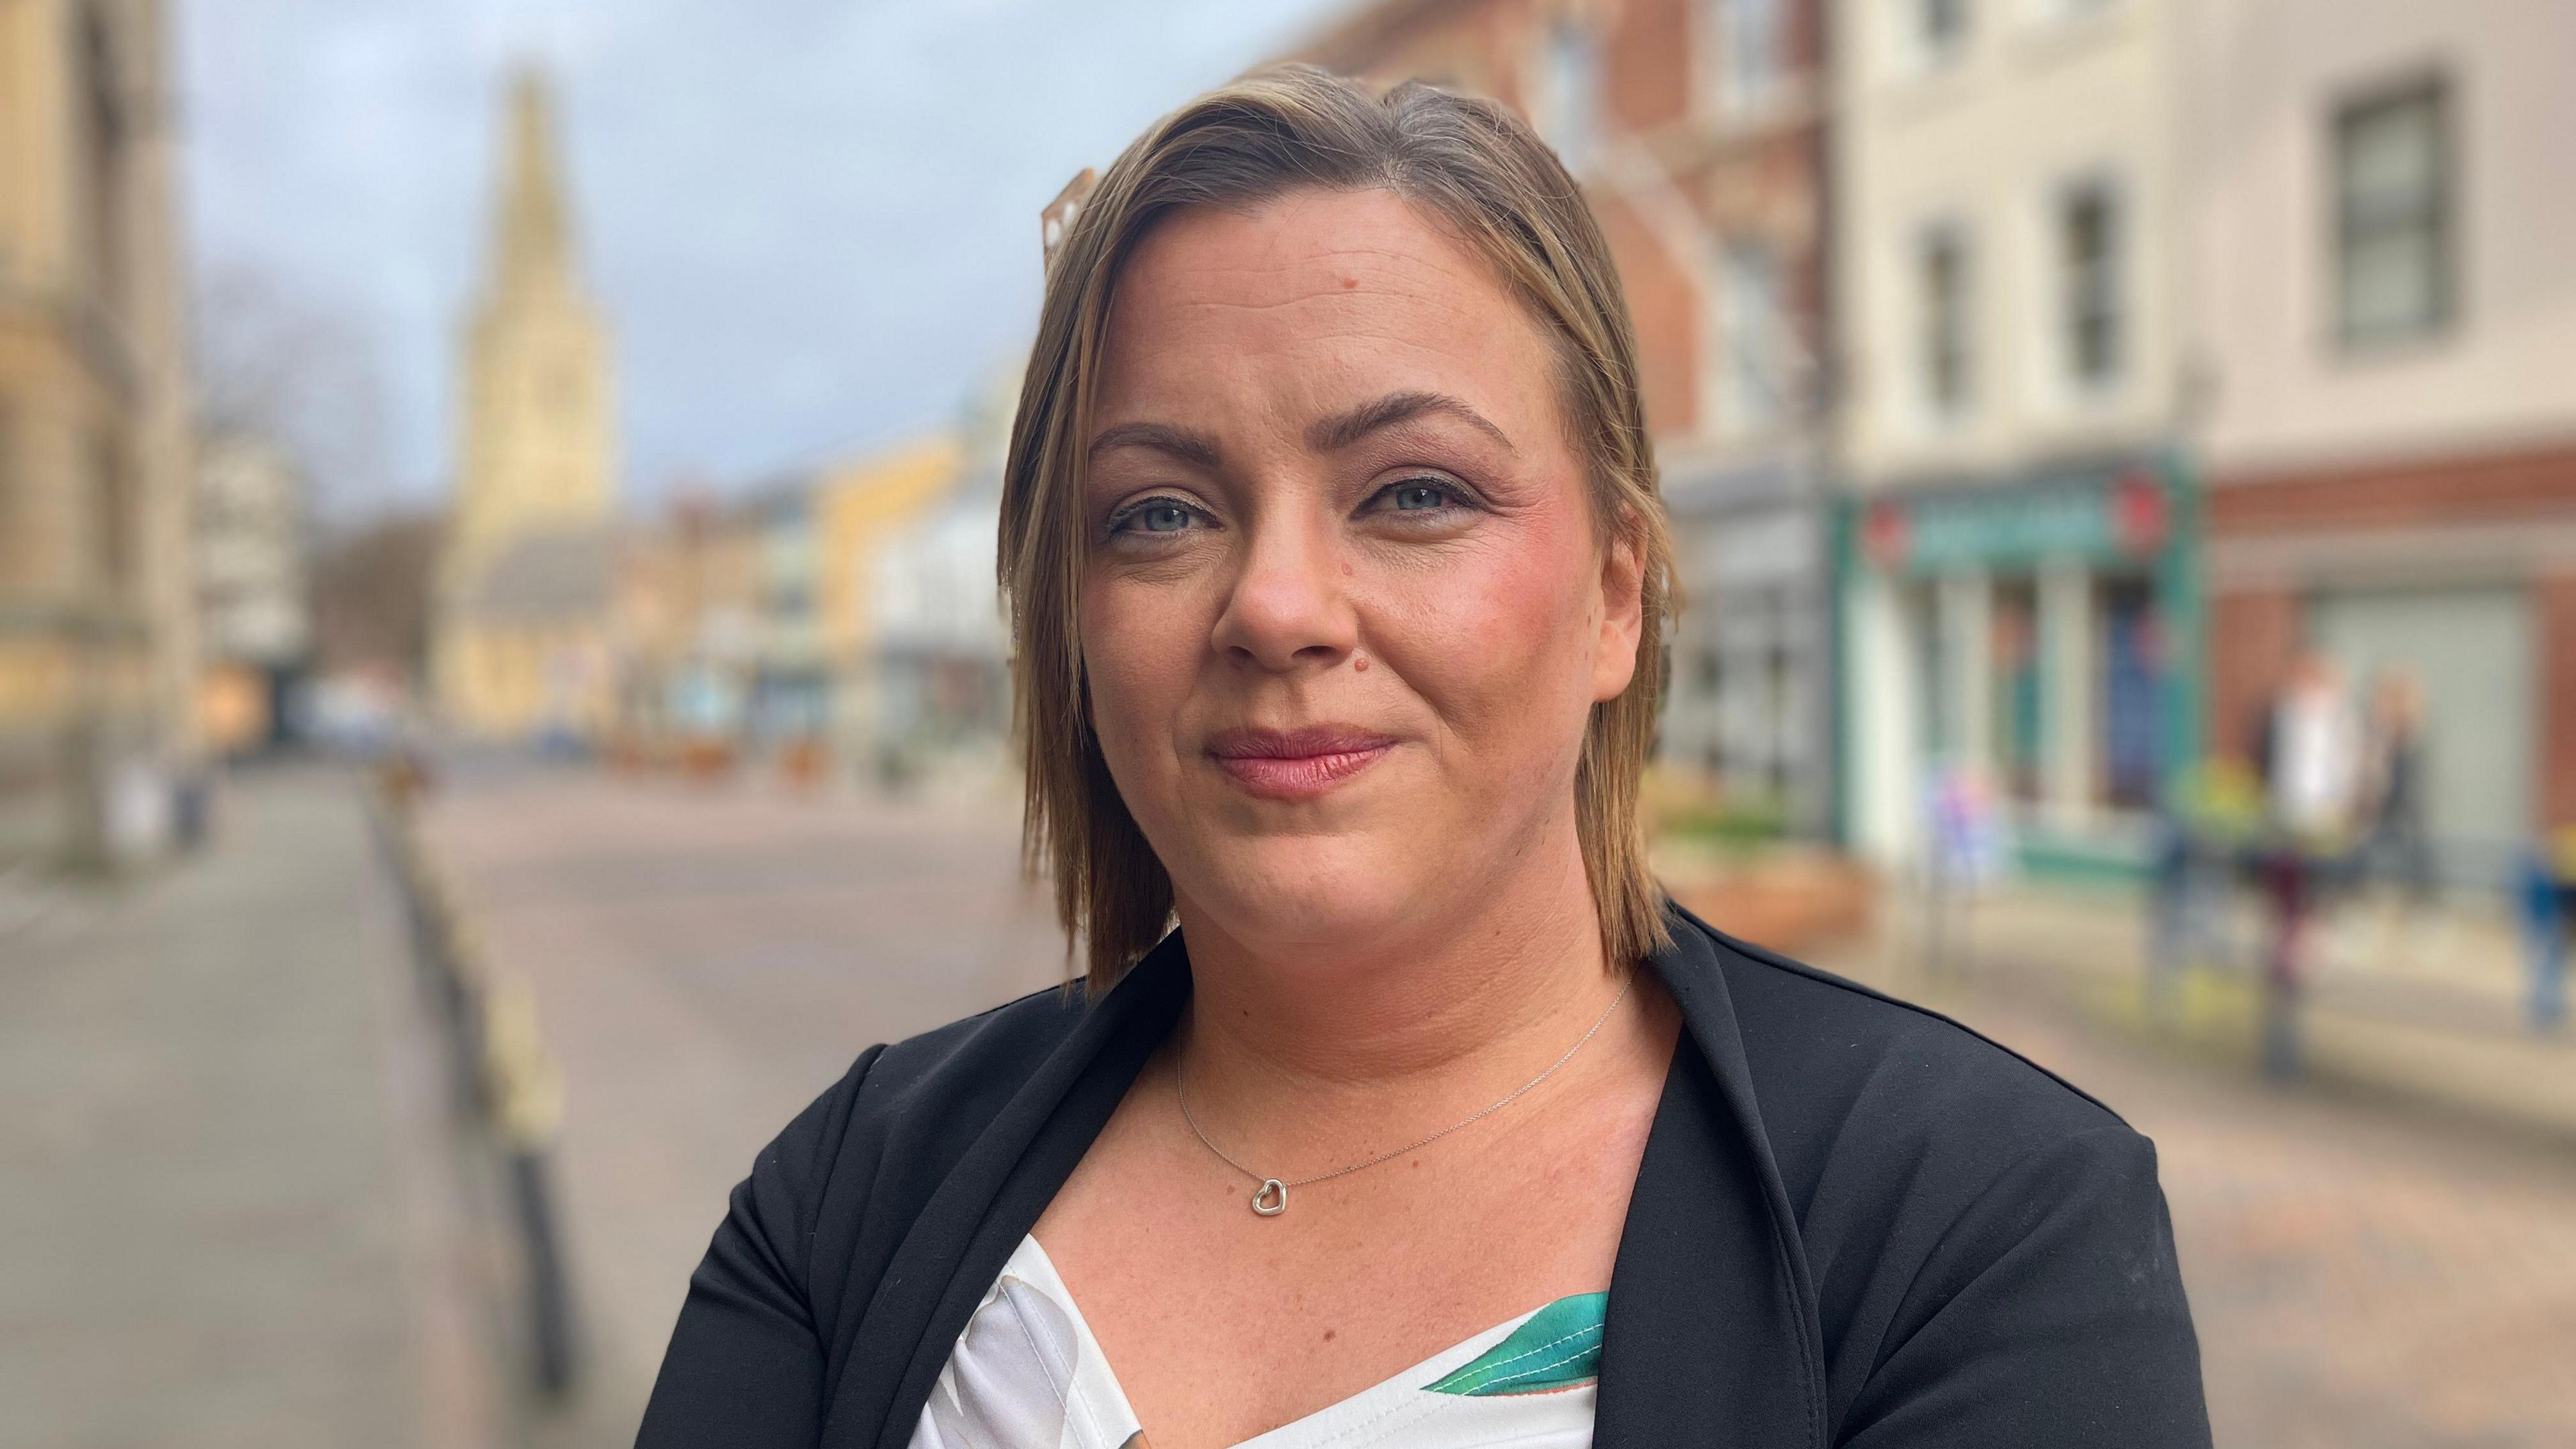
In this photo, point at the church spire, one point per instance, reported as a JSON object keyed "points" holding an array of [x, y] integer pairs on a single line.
{"points": [[532, 241]]}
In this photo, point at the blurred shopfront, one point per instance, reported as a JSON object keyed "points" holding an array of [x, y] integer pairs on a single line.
{"points": [[2034, 638], [1749, 702], [2453, 580]]}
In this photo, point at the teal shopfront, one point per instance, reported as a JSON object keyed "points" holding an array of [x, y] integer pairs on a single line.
{"points": [[2038, 638]]}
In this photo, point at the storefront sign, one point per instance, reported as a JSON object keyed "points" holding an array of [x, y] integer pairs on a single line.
{"points": [[2096, 516]]}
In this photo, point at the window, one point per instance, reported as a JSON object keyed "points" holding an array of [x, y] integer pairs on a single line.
{"points": [[2093, 311], [9, 521], [113, 503], [1565, 104], [1752, 52], [1940, 28], [103, 165], [1942, 281], [1750, 355], [2393, 241]]}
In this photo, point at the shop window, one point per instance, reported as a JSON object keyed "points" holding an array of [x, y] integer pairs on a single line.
{"points": [[1944, 729], [1751, 60], [2131, 651], [2393, 224], [1940, 29], [2093, 307], [1779, 715], [1946, 358], [2017, 719]]}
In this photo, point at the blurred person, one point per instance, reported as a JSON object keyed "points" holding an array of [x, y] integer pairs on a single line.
{"points": [[2310, 756], [1338, 579], [2396, 842], [2311, 752]]}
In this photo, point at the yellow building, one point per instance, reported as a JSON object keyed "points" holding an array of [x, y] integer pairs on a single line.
{"points": [[859, 507], [97, 671], [525, 585]]}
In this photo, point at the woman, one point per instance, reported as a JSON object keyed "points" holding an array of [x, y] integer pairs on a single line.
{"points": [[1338, 575]]}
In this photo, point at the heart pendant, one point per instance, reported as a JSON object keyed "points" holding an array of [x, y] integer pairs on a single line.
{"points": [[1271, 1198]]}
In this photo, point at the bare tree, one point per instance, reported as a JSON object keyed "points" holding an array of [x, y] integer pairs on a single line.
{"points": [[277, 361], [371, 594]]}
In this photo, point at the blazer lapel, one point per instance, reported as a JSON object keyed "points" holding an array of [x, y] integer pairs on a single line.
{"points": [[957, 1244], [1712, 1334]]}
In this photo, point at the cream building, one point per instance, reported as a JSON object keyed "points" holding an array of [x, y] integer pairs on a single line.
{"points": [[2386, 309], [525, 582], [2018, 600], [255, 625], [97, 666], [869, 515]]}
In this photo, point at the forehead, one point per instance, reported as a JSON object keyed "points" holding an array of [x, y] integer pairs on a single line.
{"points": [[1309, 302]]}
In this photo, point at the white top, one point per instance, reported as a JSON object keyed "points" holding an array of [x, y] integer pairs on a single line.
{"points": [[1027, 1374]]}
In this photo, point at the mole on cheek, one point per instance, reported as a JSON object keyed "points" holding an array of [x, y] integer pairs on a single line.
{"points": [[1349, 282]]}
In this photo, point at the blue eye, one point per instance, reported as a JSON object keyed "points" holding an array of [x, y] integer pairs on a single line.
{"points": [[1155, 515], [1413, 497]]}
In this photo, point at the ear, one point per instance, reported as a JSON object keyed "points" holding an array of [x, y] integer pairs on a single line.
{"points": [[1623, 617]]}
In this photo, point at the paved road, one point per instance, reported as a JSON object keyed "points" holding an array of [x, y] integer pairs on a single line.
{"points": [[704, 964], [708, 961], [226, 1219]]}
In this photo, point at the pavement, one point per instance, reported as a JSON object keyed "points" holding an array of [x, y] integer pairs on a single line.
{"points": [[229, 1219], [705, 960], [2423, 1006], [2367, 1271]]}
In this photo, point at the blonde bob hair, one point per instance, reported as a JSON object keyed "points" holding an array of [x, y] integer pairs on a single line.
{"points": [[1480, 172]]}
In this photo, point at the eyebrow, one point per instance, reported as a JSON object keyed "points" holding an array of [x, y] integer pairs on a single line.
{"points": [[1343, 429], [1181, 443], [1327, 435]]}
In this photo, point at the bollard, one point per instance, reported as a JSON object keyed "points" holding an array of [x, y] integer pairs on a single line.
{"points": [[506, 1083], [526, 1093]]}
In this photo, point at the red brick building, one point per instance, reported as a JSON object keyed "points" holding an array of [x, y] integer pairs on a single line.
{"points": [[1697, 128]]}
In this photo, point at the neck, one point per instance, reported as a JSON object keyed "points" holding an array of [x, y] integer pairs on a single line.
{"points": [[1302, 1047]]}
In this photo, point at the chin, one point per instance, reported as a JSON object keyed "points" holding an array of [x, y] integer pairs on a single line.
{"points": [[1310, 891]]}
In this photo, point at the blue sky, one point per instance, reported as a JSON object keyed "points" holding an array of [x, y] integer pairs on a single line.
{"points": [[814, 225]]}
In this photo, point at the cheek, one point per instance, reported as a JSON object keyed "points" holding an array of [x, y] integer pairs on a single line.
{"points": [[1498, 640], [1138, 657]]}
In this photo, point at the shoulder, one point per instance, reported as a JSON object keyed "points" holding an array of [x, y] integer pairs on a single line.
{"points": [[1862, 1094], [949, 1082], [1960, 1210]]}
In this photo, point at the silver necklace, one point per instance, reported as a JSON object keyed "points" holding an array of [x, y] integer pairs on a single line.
{"points": [[1270, 1199]]}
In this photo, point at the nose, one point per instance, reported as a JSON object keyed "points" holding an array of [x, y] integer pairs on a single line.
{"points": [[1288, 608]]}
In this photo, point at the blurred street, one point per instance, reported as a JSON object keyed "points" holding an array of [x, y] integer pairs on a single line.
{"points": [[231, 1216], [708, 958], [504, 689], [705, 961]]}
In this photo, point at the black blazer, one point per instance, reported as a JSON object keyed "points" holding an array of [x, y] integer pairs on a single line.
{"points": [[1856, 1223]]}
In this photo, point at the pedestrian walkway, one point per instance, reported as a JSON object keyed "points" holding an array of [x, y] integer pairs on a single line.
{"points": [[227, 1207], [2428, 1007]]}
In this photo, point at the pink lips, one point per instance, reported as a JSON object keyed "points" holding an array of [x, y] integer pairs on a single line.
{"points": [[1298, 764]]}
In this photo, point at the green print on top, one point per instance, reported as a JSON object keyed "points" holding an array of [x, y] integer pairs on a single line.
{"points": [[1559, 1347]]}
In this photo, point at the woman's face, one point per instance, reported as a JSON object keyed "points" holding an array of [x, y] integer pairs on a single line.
{"points": [[1344, 608]]}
